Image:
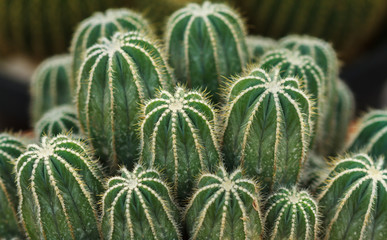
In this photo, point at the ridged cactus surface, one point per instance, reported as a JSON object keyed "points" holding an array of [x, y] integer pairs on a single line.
{"points": [[258, 46], [51, 85], [206, 43], [58, 184], [116, 76], [291, 214], [224, 206], [139, 205], [353, 199], [178, 136], [267, 127]]}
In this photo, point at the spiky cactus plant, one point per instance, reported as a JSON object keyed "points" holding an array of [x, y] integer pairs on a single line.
{"points": [[206, 42], [225, 206], [353, 199], [267, 127], [10, 150], [116, 76], [51, 85], [258, 46], [291, 214], [59, 120], [139, 205], [178, 136], [58, 184]]}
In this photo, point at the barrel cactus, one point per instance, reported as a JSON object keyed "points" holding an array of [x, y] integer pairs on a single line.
{"points": [[291, 214], [267, 127], [51, 85], [225, 206], [206, 42], [116, 76], [139, 205], [353, 199], [258, 46], [58, 184]]}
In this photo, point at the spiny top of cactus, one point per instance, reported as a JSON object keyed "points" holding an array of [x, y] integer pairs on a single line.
{"points": [[55, 61]]}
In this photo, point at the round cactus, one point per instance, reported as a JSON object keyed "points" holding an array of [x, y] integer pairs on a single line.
{"points": [[353, 199], [206, 42], [62, 119], [178, 136], [51, 85], [58, 184], [267, 127], [117, 76], [258, 46], [225, 206], [138, 205], [291, 214]]}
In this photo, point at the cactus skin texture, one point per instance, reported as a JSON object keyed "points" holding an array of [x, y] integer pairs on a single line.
{"points": [[103, 25], [206, 42], [266, 127], [139, 205], [178, 136], [59, 120], [225, 206], [117, 76], [353, 199], [51, 85], [258, 46], [10, 150], [58, 183], [291, 214]]}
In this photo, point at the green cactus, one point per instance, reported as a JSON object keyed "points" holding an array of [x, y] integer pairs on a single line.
{"points": [[117, 76], [258, 46], [291, 214], [139, 205], [267, 127], [10, 150], [206, 42], [51, 85], [315, 171], [58, 184], [59, 120], [225, 206], [353, 199], [178, 136]]}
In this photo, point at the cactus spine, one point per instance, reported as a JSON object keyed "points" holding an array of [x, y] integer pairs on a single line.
{"points": [[115, 78], [57, 184], [225, 206], [266, 129], [138, 205], [206, 42], [291, 214], [51, 85], [258, 46]]}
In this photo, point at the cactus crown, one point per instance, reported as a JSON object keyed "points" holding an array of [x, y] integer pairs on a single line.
{"points": [[258, 46]]}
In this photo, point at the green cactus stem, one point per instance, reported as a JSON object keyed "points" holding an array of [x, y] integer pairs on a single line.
{"points": [[258, 46]]}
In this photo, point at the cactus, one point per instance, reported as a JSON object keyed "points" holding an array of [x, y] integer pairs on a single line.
{"points": [[353, 199], [267, 127], [178, 136], [117, 76], [51, 85], [291, 214], [206, 42], [58, 184], [139, 205], [225, 206], [10, 150], [316, 170], [258, 46], [59, 120]]}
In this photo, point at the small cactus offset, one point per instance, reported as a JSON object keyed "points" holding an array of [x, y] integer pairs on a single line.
{"points": [[225, 206], [206, 42], [59, 120], [178, 136], [51, 85], [267, 127], [58, 184], [116, 76], [139, 205], [291, 214], [258, 46], [353, 199]]}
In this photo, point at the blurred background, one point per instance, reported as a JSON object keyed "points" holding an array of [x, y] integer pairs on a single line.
{"points": [[31, 30]]}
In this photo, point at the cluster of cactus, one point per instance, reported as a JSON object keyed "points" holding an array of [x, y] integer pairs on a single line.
{"points": [[180, 166]]}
